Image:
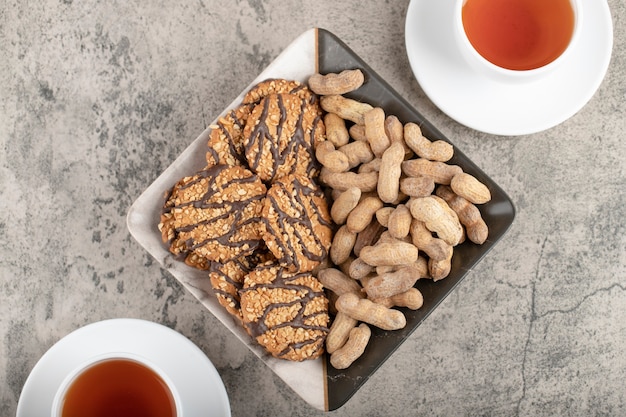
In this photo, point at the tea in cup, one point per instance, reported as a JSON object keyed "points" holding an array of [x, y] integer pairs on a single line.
{"points": [[116, 385], [517, 39]]}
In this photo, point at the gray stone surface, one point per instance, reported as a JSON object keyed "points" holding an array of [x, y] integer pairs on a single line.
{"points": [[97, 98]]}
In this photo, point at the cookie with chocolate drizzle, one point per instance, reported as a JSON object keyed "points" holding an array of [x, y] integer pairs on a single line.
{"points": [[227, 279], [278, 86], [297, 223], [225, 144], [214, 214], [280, 136], [285, 312]]}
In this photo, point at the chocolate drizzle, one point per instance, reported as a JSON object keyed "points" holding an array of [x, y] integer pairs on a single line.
{"points": [[260, 134], [215, 157], [234, 144], [228, 131], [297, 89], [217, 269]]}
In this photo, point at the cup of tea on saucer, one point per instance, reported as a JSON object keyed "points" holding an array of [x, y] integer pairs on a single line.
{"points": [[516, 40]]}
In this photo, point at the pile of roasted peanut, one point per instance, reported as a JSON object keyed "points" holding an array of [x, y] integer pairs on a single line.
{"points": [[400, 209]]}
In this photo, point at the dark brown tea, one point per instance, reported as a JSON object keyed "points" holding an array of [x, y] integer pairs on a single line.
{"points": [[519, 34], [118, 388]]}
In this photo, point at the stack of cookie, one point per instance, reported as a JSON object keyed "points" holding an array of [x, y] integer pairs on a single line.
{"points": [[257, 222]]}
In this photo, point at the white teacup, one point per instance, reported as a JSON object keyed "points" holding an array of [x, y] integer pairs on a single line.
{"points": [[123, 381], [539, 35]]}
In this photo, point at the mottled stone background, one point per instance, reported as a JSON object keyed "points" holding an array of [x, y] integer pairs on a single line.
{"points": [[97, 98]]}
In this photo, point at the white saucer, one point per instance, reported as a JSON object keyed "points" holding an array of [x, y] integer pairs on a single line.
{"points": [[494, 107], [193, 375]]}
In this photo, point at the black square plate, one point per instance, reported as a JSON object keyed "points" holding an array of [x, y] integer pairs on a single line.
{"points": [[335, 56]]}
